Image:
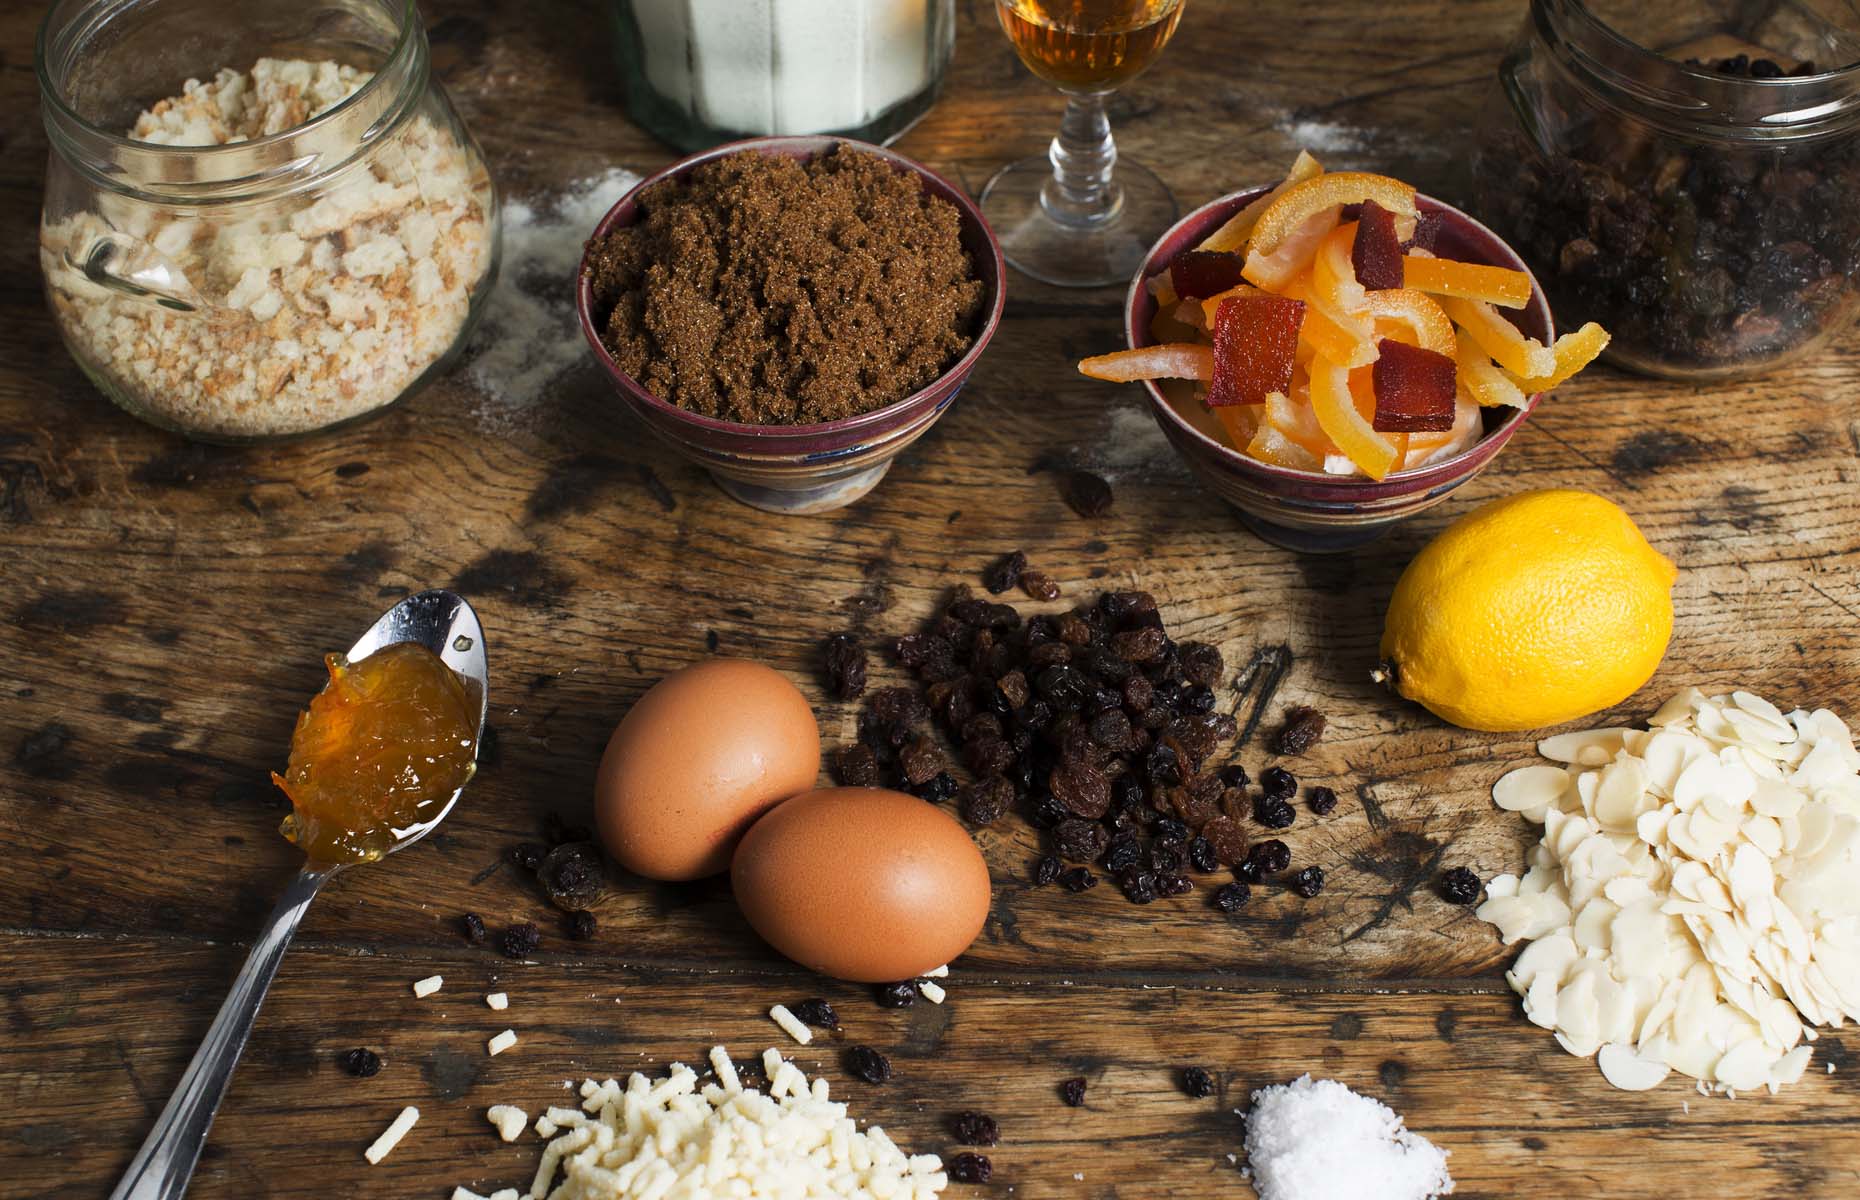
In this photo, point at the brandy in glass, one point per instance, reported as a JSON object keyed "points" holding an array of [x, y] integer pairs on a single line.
{"points": [[1080, 217]]}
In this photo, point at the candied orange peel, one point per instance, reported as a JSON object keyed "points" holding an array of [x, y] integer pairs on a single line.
{"points": [[1296, 245]]}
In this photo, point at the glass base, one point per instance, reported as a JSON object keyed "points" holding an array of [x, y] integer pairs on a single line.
{"points": [[1068, 255]]}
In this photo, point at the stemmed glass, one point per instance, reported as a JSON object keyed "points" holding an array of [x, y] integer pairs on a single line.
{"points": [[1079, 217]]}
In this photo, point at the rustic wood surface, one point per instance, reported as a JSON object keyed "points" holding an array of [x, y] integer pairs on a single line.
{"points": [[165, 606]]}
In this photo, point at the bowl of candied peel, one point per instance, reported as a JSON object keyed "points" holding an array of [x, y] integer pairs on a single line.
{"points": [[1336, 352]]}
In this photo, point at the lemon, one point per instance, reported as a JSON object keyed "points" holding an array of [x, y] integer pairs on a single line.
{"points": [[1530, 610]]}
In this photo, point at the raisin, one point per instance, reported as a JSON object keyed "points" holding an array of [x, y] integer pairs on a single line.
{"points": [[817, 1013], [1082, 788], [1202, 664], [895, 995], [1111, 730], [920, 761], [519, 941], [988, 756], [1273, 814], [1322, 800], [1234, 775], [1039, 585], [1139, 693], [1072, 1091], [1277, 783], [970, 1168], [1138, 645], [473, 925], [1163, 764], [1227, 837], [1174, 885], [1229, 897], [1046, 813], [1167, 856], [983, 726], [362, 1063], [856, 766], [1013, 685], [1308, 882], [1247, 871], [1139, 886], [572, 876], [865, 1063], [1122, 854], [1198, 700], [1270, 857], [1080, 841], [1201, 855], [1459, 886], [974, 1129], [915, 649], [527, 855], [581, 925], [897, 706], [1005, 573], [1049, 654], [1197, 1082], [984, 802], [1078, 879], [1086, 494], [1046, 869], [1121, 606], [1171, 829], [937, 788], [1303, 727], [845, 660]]}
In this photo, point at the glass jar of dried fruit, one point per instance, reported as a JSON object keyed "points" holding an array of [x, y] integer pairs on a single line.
{"points": [[259, 221], [1685, 174]]}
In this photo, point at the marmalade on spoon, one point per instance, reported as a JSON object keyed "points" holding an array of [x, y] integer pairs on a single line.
{"points": [[379, 751]]}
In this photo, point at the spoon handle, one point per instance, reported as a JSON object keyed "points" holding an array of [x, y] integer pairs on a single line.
{"points": [[162, 1168]]}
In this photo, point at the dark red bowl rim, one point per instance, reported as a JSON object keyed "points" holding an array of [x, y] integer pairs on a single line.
{"points": [[1320, 485], [625, 210]]}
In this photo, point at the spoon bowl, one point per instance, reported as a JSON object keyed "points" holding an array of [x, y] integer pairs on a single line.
{"points": [[445, 624]]}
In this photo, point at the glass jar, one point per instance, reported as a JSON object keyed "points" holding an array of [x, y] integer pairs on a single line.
{"points": [[1684, 173], [701, 72], [301, 235]]}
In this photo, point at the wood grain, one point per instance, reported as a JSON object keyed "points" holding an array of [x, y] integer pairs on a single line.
{"points": [[166, 606]]}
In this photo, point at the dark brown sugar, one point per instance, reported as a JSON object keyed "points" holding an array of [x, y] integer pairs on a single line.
{"points": [[774, 292]]}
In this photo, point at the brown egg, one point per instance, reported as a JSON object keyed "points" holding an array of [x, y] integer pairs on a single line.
{"points": [[702, 754], [862, 884]]}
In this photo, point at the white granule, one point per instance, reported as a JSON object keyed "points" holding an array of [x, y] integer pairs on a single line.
{"points": [[529, 337], [1315, 1139]]}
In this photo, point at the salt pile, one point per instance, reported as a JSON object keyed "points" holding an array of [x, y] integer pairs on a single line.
{"points": [[1315, 1139]]}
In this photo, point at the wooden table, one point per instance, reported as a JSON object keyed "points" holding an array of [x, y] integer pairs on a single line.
{"points": [[165, 606]]}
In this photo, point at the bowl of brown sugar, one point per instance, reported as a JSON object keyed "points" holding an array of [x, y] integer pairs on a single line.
{"points": [[791, 312]]}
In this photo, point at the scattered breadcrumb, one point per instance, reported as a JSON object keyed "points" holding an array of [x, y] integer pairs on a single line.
{"points": [[390, 1137], [498, 1000], [501, 1042], [426, 987], [509, 1120], [791, 1024]]}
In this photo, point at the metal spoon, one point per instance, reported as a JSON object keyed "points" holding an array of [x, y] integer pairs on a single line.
{"points": [[445, 624]]}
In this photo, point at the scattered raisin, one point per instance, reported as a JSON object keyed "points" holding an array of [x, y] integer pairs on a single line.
{"points": [[975, 1129], [572, 875], [970, 1168], [1078, 879], [1139, 886], [1080, 841], [1047, 813], [1322, 800], [1122, 854], [1005, 573], [362, 1063], [473, 924], [817, 1013], [1273, 813], [1270, 857], [865, 1063], [1201, 855], [1072, 1091], [1229, 897], [1167, 856], [1234, 775], [1228, 839], [895, 995], [519, 941], [1174, 885], [845, 662], [1277, 783], [1170, 829], [937, 788], [1197, 1082], [581, 925], [527, 855], [1303, 727], [1202, 664], [1046, 870], [1308, 882], [1459, 886], [1039, 585], [856, 766], [920, 761], [1086, 494]]}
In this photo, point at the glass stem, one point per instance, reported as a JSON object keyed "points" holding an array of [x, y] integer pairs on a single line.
{"points": [[1081, 192]]}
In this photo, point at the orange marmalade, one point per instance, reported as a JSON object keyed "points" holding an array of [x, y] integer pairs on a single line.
{"points": [[383, 746]]}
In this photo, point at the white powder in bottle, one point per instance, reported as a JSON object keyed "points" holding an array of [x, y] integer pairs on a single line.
{"points": [[1315, 1139]]}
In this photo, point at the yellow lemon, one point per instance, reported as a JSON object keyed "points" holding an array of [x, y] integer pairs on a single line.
{"points": [[1529, 611]]}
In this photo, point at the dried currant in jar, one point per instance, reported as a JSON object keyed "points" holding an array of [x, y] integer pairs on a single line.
{"points": [[1004, 573], [845, 661], [895, 995], [1303, 727], [974, 1129], [362, 1063], [865, 1063], [572, 876]]}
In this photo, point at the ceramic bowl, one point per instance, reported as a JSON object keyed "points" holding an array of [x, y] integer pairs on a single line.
{"points": [[802, 468], [1306, 510]]}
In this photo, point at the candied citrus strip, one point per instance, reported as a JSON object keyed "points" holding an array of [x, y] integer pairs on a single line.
{"points": [[1212, 304], [1414, 314], [1522, 356], [1573, 352], [1331, 333], [1240, 422], [1163, 288], [1323, 193], [1234, 232], [1271, 446], [1336, 411], [1189, 313], [1178, 360], [1272, 271], [1166, 330], [1333, 276], [1292, 416], [1468, 281], [1488, 385]]}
